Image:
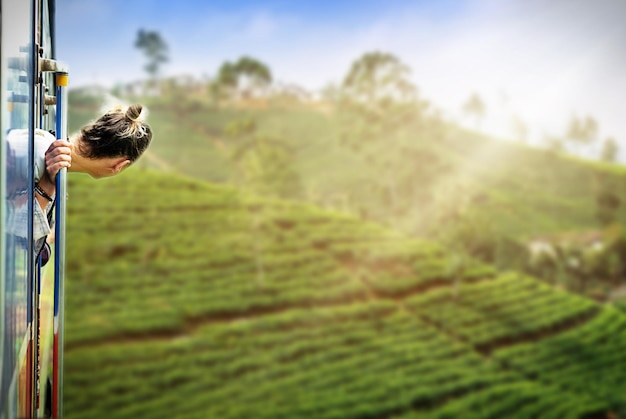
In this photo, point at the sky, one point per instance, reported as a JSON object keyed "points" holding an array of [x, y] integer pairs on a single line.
{"points": [[541, 61]]}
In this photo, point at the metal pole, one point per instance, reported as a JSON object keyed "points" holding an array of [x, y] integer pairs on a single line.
{"points": [[61, 79], [30, 269]]}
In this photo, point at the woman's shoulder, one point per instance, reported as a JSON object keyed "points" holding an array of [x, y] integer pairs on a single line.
{"points": [[44, 135], [22, 134], [18, 140]]}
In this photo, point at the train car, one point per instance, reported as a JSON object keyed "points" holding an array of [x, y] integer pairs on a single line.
{"points": [[32, 97]]}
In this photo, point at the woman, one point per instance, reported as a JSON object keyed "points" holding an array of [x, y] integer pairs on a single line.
{"points": [[101, 149]]}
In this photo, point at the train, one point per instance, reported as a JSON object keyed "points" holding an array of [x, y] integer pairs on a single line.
{"points": [[33, 96]]}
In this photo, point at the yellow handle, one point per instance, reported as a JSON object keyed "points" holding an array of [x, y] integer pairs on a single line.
{"points": [[61, 79]]}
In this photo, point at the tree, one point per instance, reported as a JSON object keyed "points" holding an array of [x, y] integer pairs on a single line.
{"points": [[475, 108], [252, 74], [225, 83], [245, 76], [155, 50], [582, 132], [378, 102], [378, 94], [377, 78], [379, 113], [609, 150], [227, 75]]}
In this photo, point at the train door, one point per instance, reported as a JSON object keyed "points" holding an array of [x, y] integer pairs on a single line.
{"points": [[27, 89], [17, 74]]}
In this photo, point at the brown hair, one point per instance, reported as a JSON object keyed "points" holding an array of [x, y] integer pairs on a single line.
{"points": [[116, 134]]}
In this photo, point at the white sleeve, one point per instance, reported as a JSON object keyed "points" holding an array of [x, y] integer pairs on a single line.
{"points": [[18, 213], [43, 139]]}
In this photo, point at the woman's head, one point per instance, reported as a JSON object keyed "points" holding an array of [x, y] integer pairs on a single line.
{"points": [[118, 133]]}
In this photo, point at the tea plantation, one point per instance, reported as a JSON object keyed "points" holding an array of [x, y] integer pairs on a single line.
{"points": [[191, 300]]}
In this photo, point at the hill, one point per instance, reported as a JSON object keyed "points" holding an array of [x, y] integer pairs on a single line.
{"points": [[340, 159], [344, 161], [188, 299], [429, 178]]}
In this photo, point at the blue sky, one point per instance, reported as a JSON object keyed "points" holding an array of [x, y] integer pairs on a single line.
{"points": [[202, 34], [543, 61]]}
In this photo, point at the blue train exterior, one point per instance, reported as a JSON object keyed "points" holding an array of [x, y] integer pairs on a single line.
{"points": [[30, 376]]}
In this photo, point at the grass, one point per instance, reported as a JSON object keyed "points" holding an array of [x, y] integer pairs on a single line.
{"points": [[189, 299]]}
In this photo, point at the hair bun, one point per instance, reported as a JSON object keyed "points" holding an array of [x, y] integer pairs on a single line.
{"points": [[133, 112]]}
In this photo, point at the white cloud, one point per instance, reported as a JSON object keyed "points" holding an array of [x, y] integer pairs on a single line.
{"points": [[262, 25]]}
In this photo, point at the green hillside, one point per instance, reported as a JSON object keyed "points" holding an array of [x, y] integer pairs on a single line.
{"points": [[342, 160], [188, 299], [412, 172], [438, 168]]}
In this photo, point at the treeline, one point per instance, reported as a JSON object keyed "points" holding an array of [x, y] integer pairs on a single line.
{"points": [[372, 77]]}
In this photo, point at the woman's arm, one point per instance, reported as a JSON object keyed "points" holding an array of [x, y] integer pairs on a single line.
{"points": [[58, 156]]}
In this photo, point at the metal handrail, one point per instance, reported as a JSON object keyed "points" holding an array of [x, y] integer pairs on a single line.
{"points": [[61, 79]]}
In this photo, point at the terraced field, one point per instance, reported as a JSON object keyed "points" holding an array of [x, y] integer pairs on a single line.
{"points": [[203, 302]]}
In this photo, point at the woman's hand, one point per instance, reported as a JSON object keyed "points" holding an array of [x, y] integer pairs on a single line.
{"points": [[58, 156]]}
